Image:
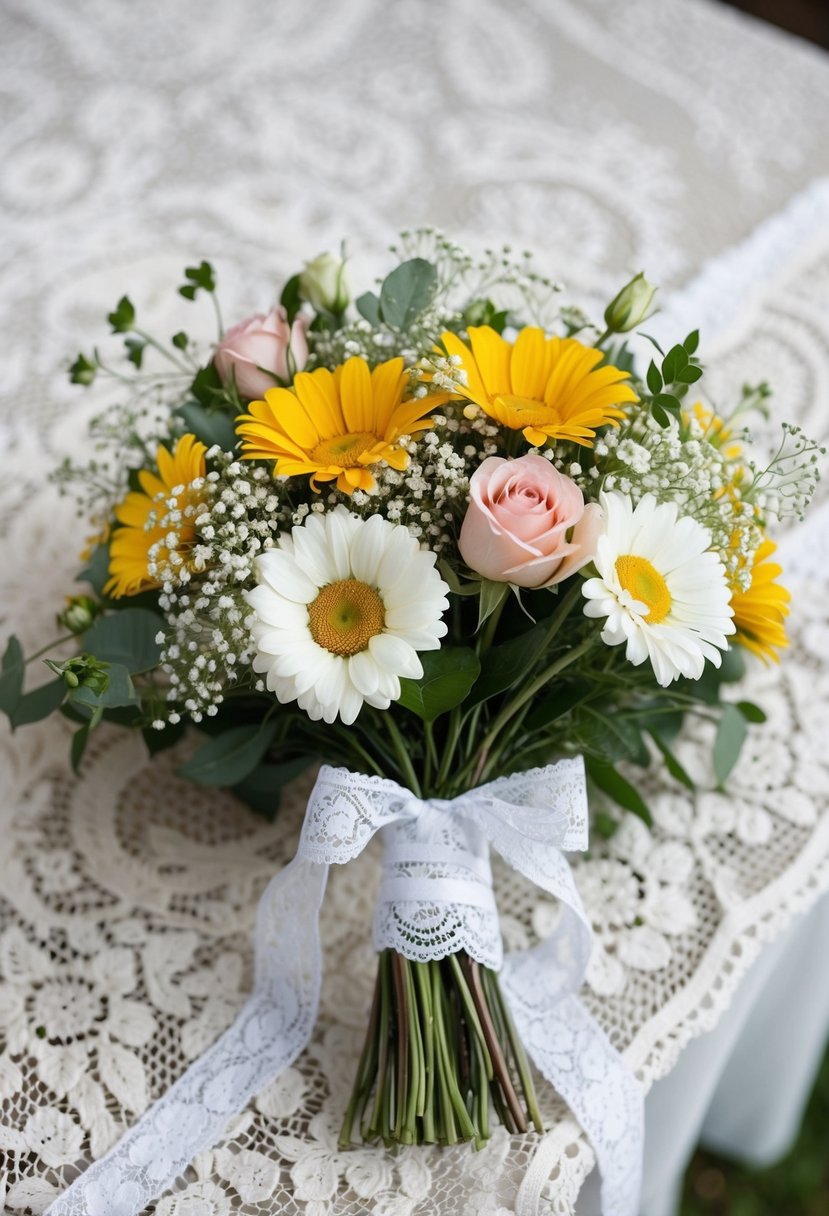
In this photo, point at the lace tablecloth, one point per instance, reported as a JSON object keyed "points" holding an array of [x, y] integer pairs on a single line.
{"points": [[678, 137]]}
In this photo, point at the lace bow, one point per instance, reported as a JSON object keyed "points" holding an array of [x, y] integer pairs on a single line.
{"points": [[436, 896]]}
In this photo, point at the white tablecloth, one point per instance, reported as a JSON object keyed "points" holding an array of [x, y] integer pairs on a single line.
{"points": [[678, 137]]}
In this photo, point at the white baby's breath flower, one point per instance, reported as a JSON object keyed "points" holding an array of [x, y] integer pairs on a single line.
{"points": [[663, 591], [342, 607]]}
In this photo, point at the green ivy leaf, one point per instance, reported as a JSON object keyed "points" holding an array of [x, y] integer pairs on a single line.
{"points": [[200, 278], [83, 371], [228, 758], [617, 787], [731, 735], [126, 638], [407, 291], [448, 675], [122, 318]]}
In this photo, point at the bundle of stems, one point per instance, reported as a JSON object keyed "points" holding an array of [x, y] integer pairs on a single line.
{"points": [[440, 1047]]}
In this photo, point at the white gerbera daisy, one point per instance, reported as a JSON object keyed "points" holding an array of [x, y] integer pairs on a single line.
{"points": [[662, 589], [342, 607]]}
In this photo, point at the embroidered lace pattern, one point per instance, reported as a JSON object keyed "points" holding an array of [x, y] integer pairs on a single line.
{"points": [[127, 897]]}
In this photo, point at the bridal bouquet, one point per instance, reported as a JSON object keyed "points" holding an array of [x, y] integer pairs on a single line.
{"points": [[436, 536]]}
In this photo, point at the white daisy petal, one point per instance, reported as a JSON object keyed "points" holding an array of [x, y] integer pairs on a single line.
{"points": [[283, 574]]}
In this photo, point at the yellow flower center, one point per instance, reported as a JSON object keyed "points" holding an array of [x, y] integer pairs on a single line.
{"points": [[345, 616], [645, 584], [343, 451]]}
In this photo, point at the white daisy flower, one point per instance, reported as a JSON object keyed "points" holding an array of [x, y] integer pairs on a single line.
{"points": [[662, 589], [342, 607]]}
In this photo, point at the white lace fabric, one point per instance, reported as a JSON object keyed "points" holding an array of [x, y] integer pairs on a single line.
{"points": [[127, 897]]}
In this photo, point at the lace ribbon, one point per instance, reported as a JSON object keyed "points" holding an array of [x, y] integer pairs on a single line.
{"points": [[436, 897]]}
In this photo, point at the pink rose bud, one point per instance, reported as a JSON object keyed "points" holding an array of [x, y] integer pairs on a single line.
{"points": [[516, 525], [262, 342]]}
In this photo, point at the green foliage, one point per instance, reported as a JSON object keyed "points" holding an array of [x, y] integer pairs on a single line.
{"points": [[82, 371], [199, 278], [262, 788], [731, 735], [38, 704], [230, 757], [180, 340], [492, 596], [210, 426], [160, 740], [118, 691], [96, 570], [135, 350], [484, 312], [12, 668], [368, 306], [291, 298], [617, 787], [502, 666], [122, 318], [127, 638], [448, 675], [407, 292], [207, 386], [671, 763], [669, 382]]}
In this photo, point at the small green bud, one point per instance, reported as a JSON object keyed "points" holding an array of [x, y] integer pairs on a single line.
{"points": [[324, 285], [79, 613], [631, 306], [70, 679], [84, 670]]}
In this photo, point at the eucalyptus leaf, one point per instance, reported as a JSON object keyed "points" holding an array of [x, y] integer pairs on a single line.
{"points": [[368, 306], [448, 675], [38, 703], [228, 758], [126, 638], [118, 692], [407, 291], [731, 735], [751, 712], [210, 426]]}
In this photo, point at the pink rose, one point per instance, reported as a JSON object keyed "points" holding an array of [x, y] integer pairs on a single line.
{"points": [[262, 342], [516, 525]]}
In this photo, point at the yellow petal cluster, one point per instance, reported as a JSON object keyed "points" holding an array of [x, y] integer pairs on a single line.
{"points": [[140, 515], [761, 610], [549, 388], [336, 425]]}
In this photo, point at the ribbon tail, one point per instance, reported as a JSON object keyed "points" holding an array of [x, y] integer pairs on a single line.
{"points": [[269, 1033], [571, 1051]]}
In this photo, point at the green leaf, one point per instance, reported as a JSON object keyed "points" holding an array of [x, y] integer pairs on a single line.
{"points": [[368, 306], [82, 371], [689, 374], [407, 291], [450, 577], [96, 570], [751, 712], [135, 350], [448, 675], [663, 418], [11, 677], [691, 342], [731, 735], [78, 746], [201, 277], [654, 378], [38, 703], [612, 737], [668, 401], [555, 704], [207, 385], [228, 758], [210, 426], [492, 596], [502, 666], [160, 740], [180, 340], [126, 638], [122, 318], [118, 692], [291, 300], [604, 825], [261, 788], [672, 764], [675, 360], [617, 787]]}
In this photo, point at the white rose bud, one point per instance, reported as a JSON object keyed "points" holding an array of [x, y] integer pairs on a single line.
{"points": [[631, 306], [324, 285]]}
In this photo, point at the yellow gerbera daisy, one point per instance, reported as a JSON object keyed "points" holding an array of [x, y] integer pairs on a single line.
{"points": [[549, 388], [144, 537], [759, 612], [336, 425]]}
